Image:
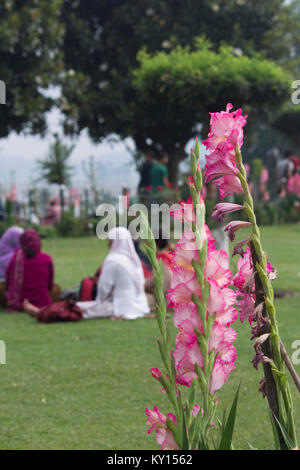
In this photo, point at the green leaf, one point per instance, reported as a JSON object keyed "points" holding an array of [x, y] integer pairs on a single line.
{"points": [[226, 441], [284, 431], [185, 442], [275, 435]]}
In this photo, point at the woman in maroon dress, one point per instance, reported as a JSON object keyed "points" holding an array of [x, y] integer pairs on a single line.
{"points": [[30, 274]]}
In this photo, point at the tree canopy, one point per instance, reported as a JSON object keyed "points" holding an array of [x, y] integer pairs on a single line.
{"points": [[288, 123], [176, 92], [31, 56], [103, 38]]}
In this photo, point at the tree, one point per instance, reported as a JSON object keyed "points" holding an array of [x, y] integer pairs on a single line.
{"points": [[103, 38], [288, 123], [54, 168], [177, 90], [91, 170], [30, 37]]}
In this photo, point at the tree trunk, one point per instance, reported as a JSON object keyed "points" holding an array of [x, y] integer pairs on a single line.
{"points": [[175, 157], [266, 347]]}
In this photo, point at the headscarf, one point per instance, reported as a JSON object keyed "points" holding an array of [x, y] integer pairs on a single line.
{"points": [[122, 252], [9, 243], [30, 243], [30, 246]]}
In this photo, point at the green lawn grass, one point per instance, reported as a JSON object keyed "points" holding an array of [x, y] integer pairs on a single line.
{"points": [[85, 385]]}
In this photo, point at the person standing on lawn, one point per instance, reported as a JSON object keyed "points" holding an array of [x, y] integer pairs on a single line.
{"points": [[145, 181], [159, 173]]}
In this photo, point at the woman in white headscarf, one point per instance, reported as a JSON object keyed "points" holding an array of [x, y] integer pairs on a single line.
{"points": [[121, 284], [120, 292]]}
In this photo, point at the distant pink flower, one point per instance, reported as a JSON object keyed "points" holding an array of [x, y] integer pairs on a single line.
{"points": [[293, 185], [264, 177], [247, 168], [234, 226], [225, 208]]}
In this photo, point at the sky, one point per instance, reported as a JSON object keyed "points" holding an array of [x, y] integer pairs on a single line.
{"points": [[19, 153]]}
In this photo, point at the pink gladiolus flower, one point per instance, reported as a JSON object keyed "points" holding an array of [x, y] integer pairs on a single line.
{"points": [[187, 353], [221, 340], [226, 127], [223, 209], [228, 185], [182, 293], [220, 374], [247, 307], [226, 131], [184, 213], [228, 314], [245, 270], [157, 422], [234, 226], [155, 419], [156, 373], [166, 439], [196, 410], [186, 318], [217, 267]]}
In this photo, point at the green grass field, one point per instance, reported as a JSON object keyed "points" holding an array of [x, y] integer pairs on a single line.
{"points": [[86, 385]]}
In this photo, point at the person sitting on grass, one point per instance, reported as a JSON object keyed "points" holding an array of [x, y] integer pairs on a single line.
{"points": [[9, 243], [120, 293], [30, 274]]}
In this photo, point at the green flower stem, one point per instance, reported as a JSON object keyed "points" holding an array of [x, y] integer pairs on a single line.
{"points": [[261, 267], [201, 304], [164, 342]]}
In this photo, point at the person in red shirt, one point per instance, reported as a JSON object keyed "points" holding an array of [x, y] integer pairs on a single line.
{"points": [[30, 274]]}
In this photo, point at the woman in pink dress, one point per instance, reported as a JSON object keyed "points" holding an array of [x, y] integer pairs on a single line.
{"points": [[30, 274]]}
